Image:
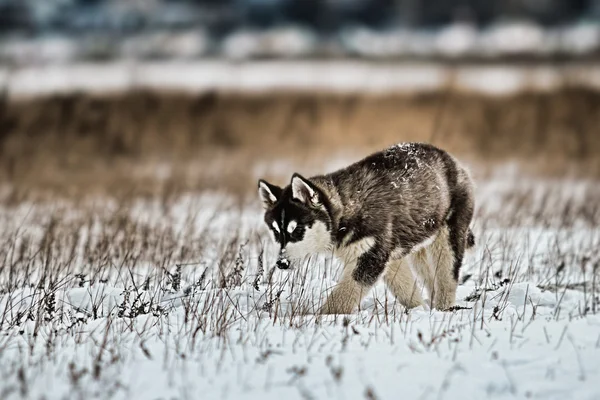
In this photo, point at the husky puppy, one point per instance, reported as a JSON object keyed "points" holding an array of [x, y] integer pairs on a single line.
{"points": [[402, 213]]}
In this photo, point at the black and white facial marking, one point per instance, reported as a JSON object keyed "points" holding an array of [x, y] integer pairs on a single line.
{"points": [[296, 218]]}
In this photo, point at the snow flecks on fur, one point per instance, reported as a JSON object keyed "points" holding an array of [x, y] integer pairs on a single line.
{"points": [[407, 156]]}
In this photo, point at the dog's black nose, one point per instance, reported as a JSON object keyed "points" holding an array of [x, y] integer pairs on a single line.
{"points": [[283, 263]]}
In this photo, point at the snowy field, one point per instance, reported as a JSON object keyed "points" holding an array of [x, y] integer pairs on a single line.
{"points": [[337, 76], [178, 298]]}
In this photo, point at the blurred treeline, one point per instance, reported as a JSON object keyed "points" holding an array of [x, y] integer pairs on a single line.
{"points": [[40, 31], [220, 16], [120, 143]]}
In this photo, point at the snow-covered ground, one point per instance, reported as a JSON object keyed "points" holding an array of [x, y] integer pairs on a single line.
{"points": [[263, 76], [178, 298]]}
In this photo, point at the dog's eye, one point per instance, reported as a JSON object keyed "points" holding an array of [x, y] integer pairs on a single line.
{"points": [[275, 235], [297, 233], [292, 226]]}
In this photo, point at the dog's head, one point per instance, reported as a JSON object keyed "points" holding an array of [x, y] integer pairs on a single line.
{"points": [[297, 218]]}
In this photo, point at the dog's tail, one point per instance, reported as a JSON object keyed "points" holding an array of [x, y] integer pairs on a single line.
{"points": [[470, 239]]}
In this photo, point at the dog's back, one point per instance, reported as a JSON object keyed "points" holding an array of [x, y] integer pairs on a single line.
{"points": [[401, 195]]}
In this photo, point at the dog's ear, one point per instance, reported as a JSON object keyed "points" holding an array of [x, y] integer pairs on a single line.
{"points": [[269, 194], [304, 191]]}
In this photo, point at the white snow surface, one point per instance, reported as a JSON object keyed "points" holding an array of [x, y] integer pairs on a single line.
{"points": [[528, 329], [338, 76]]}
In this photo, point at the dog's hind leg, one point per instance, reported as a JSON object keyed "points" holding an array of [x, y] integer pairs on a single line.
{"points": [[459, 233], [400, 280], [442, 261], [447, 251], [422, 266]]}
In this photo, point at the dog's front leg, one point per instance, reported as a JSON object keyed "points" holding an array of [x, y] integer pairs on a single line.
{"points": [[357, 279], [345, 296]]}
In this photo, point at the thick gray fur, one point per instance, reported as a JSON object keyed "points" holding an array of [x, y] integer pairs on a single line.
{"points": [[402, 213]]}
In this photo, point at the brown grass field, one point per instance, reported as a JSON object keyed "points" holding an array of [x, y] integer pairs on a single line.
{"points": [[128, 142]]}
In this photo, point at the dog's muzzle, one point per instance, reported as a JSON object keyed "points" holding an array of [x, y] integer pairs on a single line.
{"points": [[282, 261], [283, 264]]}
